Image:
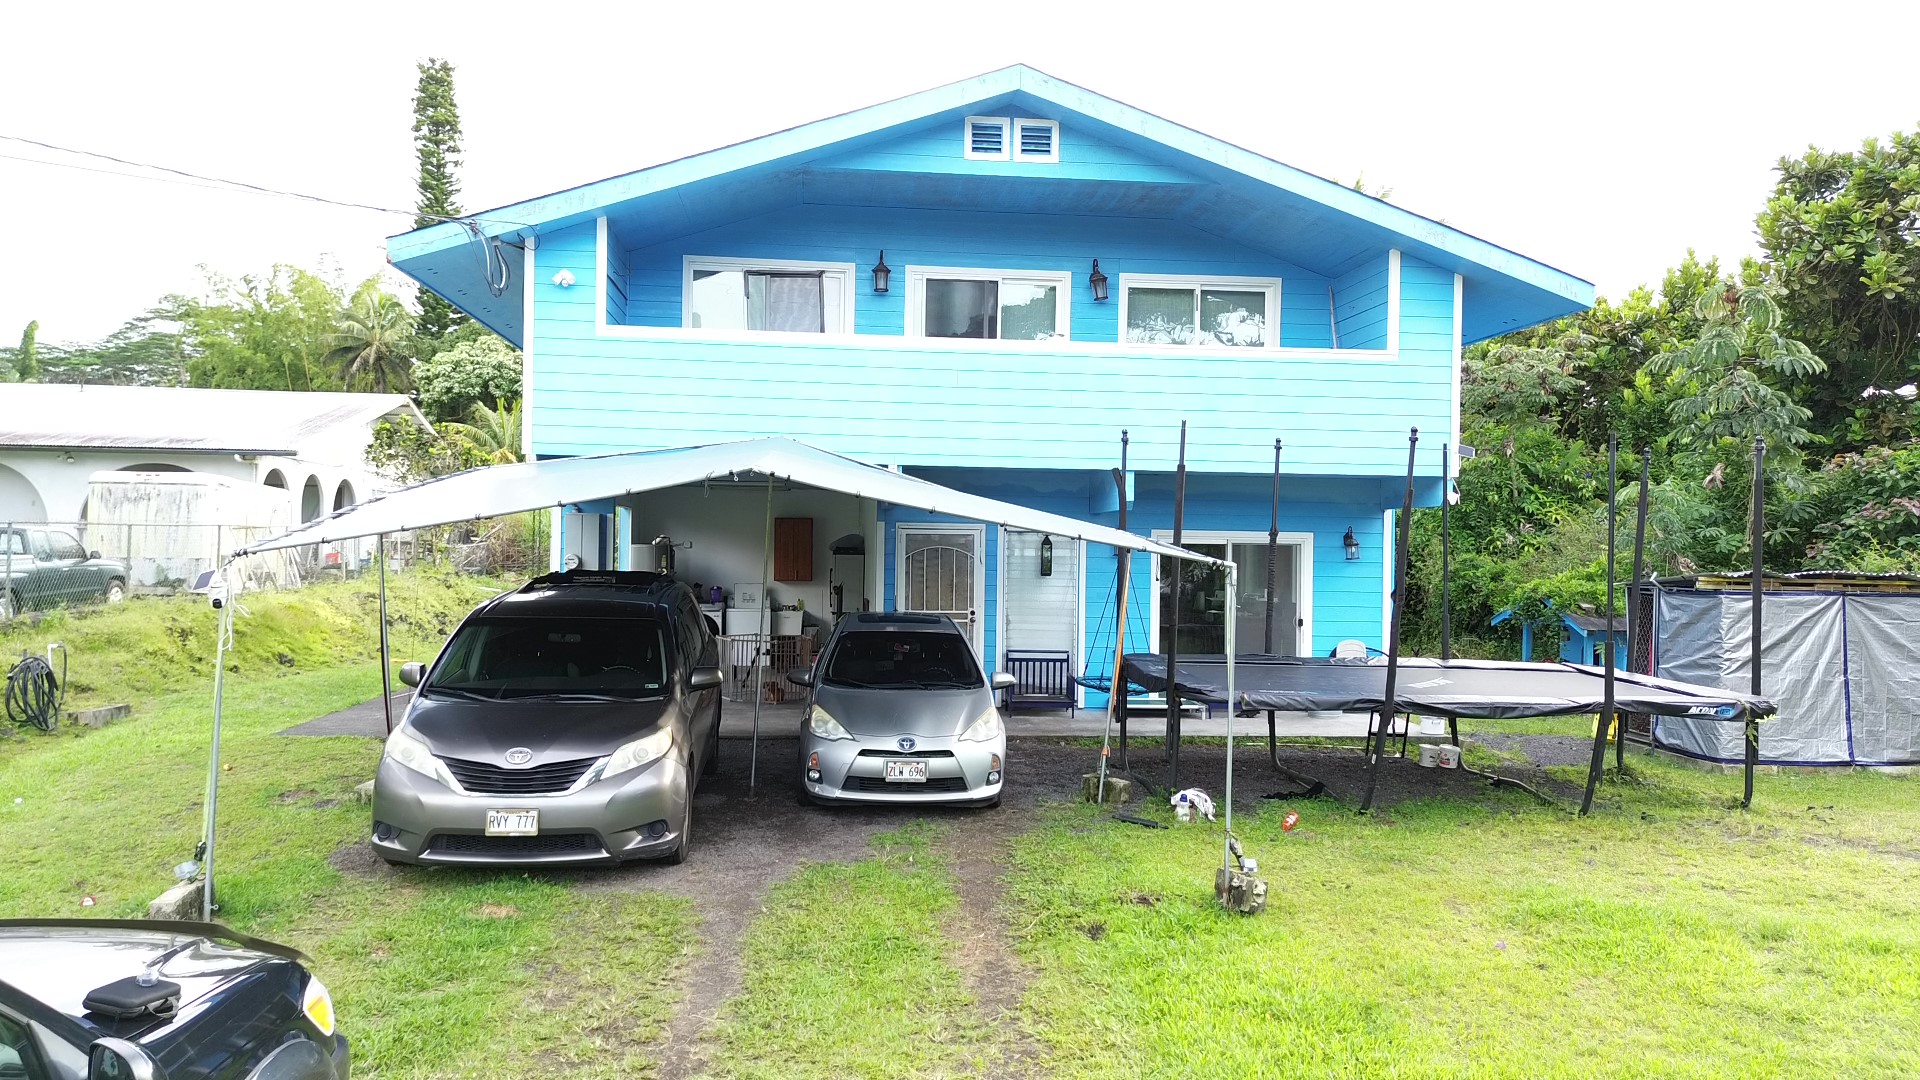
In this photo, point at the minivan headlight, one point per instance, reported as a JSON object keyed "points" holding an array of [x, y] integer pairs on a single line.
{"points": [[643, 751], [409, 750], [986, 728], [825, 726]]}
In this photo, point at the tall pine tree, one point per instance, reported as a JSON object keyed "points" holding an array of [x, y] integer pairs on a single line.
{"points": [[436, 140], [26, 362]]}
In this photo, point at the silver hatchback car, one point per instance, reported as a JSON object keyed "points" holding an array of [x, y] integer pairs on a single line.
{"points": [[899, 712]]}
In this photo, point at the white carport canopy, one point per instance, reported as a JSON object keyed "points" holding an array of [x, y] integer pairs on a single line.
{"points": [[512, 489]]}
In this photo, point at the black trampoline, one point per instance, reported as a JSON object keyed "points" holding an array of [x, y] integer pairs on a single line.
{"points": [[1456, 689]]}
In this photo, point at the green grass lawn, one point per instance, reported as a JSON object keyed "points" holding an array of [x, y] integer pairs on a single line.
{"points": [[1669, 935]]}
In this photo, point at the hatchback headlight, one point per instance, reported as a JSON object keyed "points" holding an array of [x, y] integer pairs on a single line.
{"points": [[407, 749], [824, 726], [318, 1005], [639, 752], [986, 728]]}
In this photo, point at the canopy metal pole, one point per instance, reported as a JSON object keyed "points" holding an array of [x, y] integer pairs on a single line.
{"points": [[223, 632], [1635, 601], [1603, 722], [1758, 539], [1117, 689], [766, 639], [1173, 639], [1446, 571], [386, 653], [1388, 704], [1273, 550], [1233, 701]]}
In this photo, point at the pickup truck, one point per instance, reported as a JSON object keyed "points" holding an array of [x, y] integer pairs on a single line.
{"points": [[43, 566]]}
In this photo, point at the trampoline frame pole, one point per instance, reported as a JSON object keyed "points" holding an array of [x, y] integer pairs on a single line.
{"points": [[1116, 690], [1634, 600], [1388, 708], [1603, 722], [1758, 538], [1273, 549], [1446, 571], [1173, 639]]}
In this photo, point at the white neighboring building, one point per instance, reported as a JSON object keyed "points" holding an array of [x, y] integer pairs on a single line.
{"points": [[311, 446]]}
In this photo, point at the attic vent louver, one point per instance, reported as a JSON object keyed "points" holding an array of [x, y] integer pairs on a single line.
{"points": [[1036, 140], [986, 138]]}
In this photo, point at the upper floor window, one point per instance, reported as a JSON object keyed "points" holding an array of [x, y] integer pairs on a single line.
{"points": [[742, 294], [1194, 311], [987, 304]]}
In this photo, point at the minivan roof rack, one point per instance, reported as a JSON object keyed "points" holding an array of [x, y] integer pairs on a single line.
{"points": [[619, 579]]}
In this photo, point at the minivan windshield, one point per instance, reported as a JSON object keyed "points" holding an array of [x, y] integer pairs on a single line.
{"points": [[886, 659], [521, 657]]}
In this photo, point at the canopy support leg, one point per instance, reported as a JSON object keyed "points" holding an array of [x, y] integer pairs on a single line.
{"points": [[223, 634], [386, 650], [765, 658], [1227, 860], [1604, 722], [1116, 692], [1446, 572], [1389, 705], [1173, 639]]}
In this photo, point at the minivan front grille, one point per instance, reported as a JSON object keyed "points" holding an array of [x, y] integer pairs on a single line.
{"points": [[483, 778], [583, 844]]}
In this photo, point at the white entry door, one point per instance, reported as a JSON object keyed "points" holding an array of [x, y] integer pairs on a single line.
{"points": [[1041, 593], [940, 573]]}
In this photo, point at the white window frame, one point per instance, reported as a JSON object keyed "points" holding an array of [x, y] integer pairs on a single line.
{"points": [[917, 277], [1302, 579], [1197, 282], [842, 272], [1022, 122], [1005, 124]]}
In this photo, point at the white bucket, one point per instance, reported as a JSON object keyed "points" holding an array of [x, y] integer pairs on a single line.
{"points": [[1447, 755], [1429, 755]]}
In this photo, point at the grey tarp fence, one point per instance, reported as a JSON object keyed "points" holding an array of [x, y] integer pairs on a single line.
{"points": [[1840, 666]]}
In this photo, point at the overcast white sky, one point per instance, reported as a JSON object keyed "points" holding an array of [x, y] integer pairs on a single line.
{"points": [[1604, 139]]}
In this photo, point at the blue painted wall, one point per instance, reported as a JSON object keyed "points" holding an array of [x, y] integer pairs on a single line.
{"points": [[937, 148], [1360, 304], [888, 399]]}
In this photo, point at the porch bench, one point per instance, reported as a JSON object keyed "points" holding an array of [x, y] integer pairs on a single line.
{"points": [[1043, 679]]}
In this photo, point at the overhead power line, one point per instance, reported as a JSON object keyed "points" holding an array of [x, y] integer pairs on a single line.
{"points": [[224, 184]]}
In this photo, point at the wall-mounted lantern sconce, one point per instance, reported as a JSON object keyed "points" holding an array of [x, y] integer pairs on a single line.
{"points": [[1352, 545], [563, 278], [882, 274], [1046, 556], [1097, 281]]}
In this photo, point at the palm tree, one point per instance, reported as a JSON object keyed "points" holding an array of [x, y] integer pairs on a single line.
{"points": [[372, 339], [493, 433]]}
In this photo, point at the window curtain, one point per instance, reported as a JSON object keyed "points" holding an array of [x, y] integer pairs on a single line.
{"points": [[958, 308], [794, 302]]}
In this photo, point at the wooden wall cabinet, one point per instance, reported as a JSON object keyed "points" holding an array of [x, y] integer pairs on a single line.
{"points": [[793, 549]]}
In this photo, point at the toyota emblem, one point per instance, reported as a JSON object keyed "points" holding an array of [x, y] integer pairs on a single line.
{"points": [[519, 755], [907, 744]]}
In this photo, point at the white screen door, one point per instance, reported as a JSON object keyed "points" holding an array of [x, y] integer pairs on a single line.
{"points": [[940, 573]]}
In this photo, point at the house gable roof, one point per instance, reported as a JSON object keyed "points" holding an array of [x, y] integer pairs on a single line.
{"points": [[63, 416], [1115, 159]]}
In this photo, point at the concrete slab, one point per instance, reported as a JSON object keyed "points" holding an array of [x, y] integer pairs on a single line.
{"points": [[366, 718]]}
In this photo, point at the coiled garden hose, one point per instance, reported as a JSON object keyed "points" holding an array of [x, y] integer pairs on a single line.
{"points": [[34, 696]]}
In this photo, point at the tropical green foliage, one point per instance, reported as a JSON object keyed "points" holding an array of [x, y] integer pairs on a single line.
{"points": [[436, 142], [262, 332], [406, 453], [493, 434], [372, 342], [483, 370]]}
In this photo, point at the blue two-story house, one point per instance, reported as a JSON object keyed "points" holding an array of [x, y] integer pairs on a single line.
{"points": [[985, 284]]}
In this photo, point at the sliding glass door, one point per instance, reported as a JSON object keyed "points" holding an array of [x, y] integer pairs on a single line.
{"points": [[1199, 622]]}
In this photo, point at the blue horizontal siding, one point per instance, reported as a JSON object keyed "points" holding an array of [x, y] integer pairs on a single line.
{"points": [[972, 239], [939, 148], [616, 284], [1360, 305]]}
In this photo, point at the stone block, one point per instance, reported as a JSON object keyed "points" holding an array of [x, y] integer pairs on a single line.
{"points": [[1118, 790], [180, 903], [102, 716]]}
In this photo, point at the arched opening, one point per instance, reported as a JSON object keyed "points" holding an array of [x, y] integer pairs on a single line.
{"points": [[343, 496], [19, 499], [310, 499], [276, 479], [154, 466]]}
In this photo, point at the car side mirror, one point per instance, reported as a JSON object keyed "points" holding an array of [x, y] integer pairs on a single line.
{"points": [[118, 1059], [412, 672], [803, 677], [1004, 680], [705, 678]]}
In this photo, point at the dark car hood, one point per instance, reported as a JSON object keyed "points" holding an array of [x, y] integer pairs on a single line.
{"points": [[61, 966], [931, 714], [553, 730]]}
